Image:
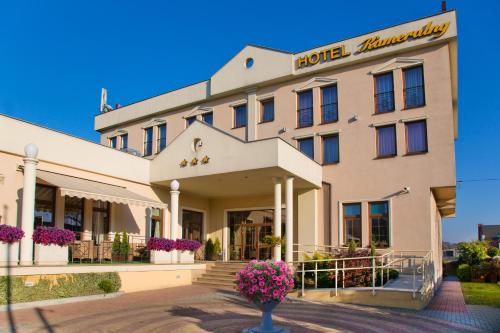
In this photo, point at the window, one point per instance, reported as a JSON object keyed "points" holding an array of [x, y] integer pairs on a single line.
{"points": [[329, 103], [208, 118], [330, 149], [162, 137], [124, 142], [240, 116], [190, 120], [112, 142], [386, 141], [148, 141], [384, 93], [414, 92], [305, 111], [416, 137], [352, 223], [156, 229], [379, 220], [267, 111], [192, 225], [306, 145], [73, 215], [45, 205]]}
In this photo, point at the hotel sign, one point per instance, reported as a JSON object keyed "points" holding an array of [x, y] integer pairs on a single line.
{"points": [[372, 43]]}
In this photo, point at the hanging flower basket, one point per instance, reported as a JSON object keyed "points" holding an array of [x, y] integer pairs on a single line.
{"points": [[51, 245], [9, 244], [266, 284]]}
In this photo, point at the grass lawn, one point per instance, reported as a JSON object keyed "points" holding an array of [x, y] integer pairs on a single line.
{"points": [[481, 293]]}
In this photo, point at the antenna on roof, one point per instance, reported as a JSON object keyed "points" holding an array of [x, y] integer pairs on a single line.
{"points": [[443, 6], [104, 96]]}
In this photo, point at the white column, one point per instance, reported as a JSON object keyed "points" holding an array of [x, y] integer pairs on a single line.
{"points": [[252, 116], [174, 209], [28, 209], [277, 216], [289, 219]]}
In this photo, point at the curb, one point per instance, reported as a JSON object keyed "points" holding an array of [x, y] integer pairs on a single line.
{"points": [[57, 301]]}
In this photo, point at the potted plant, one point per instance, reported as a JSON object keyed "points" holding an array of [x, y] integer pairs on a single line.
{"points": [[9, 244], [51, 245], [161, 250], [115, 249], [209, 250], [217, 249], [185, 250], [265, 284]]}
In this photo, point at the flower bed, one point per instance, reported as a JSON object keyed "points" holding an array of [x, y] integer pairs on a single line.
{"points": [[53, 236], [265, 281], [10, 234]]}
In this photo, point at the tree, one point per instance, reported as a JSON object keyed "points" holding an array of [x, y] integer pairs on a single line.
{"points": [[116, 244], [125, 246], [473, 253]]}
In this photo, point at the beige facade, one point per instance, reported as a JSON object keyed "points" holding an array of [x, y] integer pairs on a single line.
{"points": [[243, 163]]}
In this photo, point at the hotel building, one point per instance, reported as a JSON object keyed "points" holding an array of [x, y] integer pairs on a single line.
{"points": [[353, 140]]}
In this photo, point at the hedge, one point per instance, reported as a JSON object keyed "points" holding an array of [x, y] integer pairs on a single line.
{"points": [[68, 285], [464, 272]]}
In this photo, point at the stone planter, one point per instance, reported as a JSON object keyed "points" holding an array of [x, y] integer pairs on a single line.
{"points": [[185, 257], [162, 257], [9, 254], [51, 255]]}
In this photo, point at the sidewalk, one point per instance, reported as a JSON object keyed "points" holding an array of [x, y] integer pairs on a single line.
{"points": [[449, 304]]}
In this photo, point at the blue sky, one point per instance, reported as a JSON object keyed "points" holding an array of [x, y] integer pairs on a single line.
{"points": [[56, 55]]}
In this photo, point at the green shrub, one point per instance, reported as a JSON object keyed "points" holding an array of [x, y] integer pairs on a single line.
{"points": [[464, 272], [217, 248], [473, 253], [493, 251], [116, 244], [351, 246], [69, 285], [124, 246], [107, 286], [209, 249]]}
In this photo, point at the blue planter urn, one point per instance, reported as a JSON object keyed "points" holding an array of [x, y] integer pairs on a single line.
{"points": [[266, 323]]}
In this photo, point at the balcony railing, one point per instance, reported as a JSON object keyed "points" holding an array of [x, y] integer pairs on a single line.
{"points": [[414, 97], [305, 117], [384, 101]]}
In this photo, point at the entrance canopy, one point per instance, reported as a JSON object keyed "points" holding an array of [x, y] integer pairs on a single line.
{"points": [[88, 189], [212, 163]]}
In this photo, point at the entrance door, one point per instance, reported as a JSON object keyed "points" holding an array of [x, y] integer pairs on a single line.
{"points": [[247, 230], [253, 241], [100, 221], [192, 225]]}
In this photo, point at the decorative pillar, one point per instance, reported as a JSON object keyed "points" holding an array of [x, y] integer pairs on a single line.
{"points": [[174, 209], [289, 219], [277, 216], [28, 209]]}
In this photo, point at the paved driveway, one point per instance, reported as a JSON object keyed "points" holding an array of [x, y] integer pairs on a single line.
{"points": [[201, 309]]}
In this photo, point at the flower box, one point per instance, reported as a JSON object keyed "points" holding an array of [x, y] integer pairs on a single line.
{"points": [[9, 254], [51, 255], [162, 257], [185, 257]]}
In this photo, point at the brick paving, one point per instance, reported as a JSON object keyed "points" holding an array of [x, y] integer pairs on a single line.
{"points": [[448, 304], [194, 309]]}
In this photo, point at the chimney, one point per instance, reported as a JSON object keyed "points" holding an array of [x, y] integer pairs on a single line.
{"points": [[443, 6]]}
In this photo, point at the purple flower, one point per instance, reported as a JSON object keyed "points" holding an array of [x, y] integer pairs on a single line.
{"points": [[187, 245], [161, 244], [53, 236], [10, 234]]}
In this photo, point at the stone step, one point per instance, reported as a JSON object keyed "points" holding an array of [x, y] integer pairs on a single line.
{"points": [[215, 283], [209, 276], [219, 275]]}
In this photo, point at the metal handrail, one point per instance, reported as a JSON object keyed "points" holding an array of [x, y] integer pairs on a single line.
{"points": [[387, 261]]}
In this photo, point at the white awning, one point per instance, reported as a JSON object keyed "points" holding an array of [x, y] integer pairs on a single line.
{"points": [[89, 189]]}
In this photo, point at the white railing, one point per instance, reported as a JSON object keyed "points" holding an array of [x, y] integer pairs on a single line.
{"points": [[403, 261]]}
